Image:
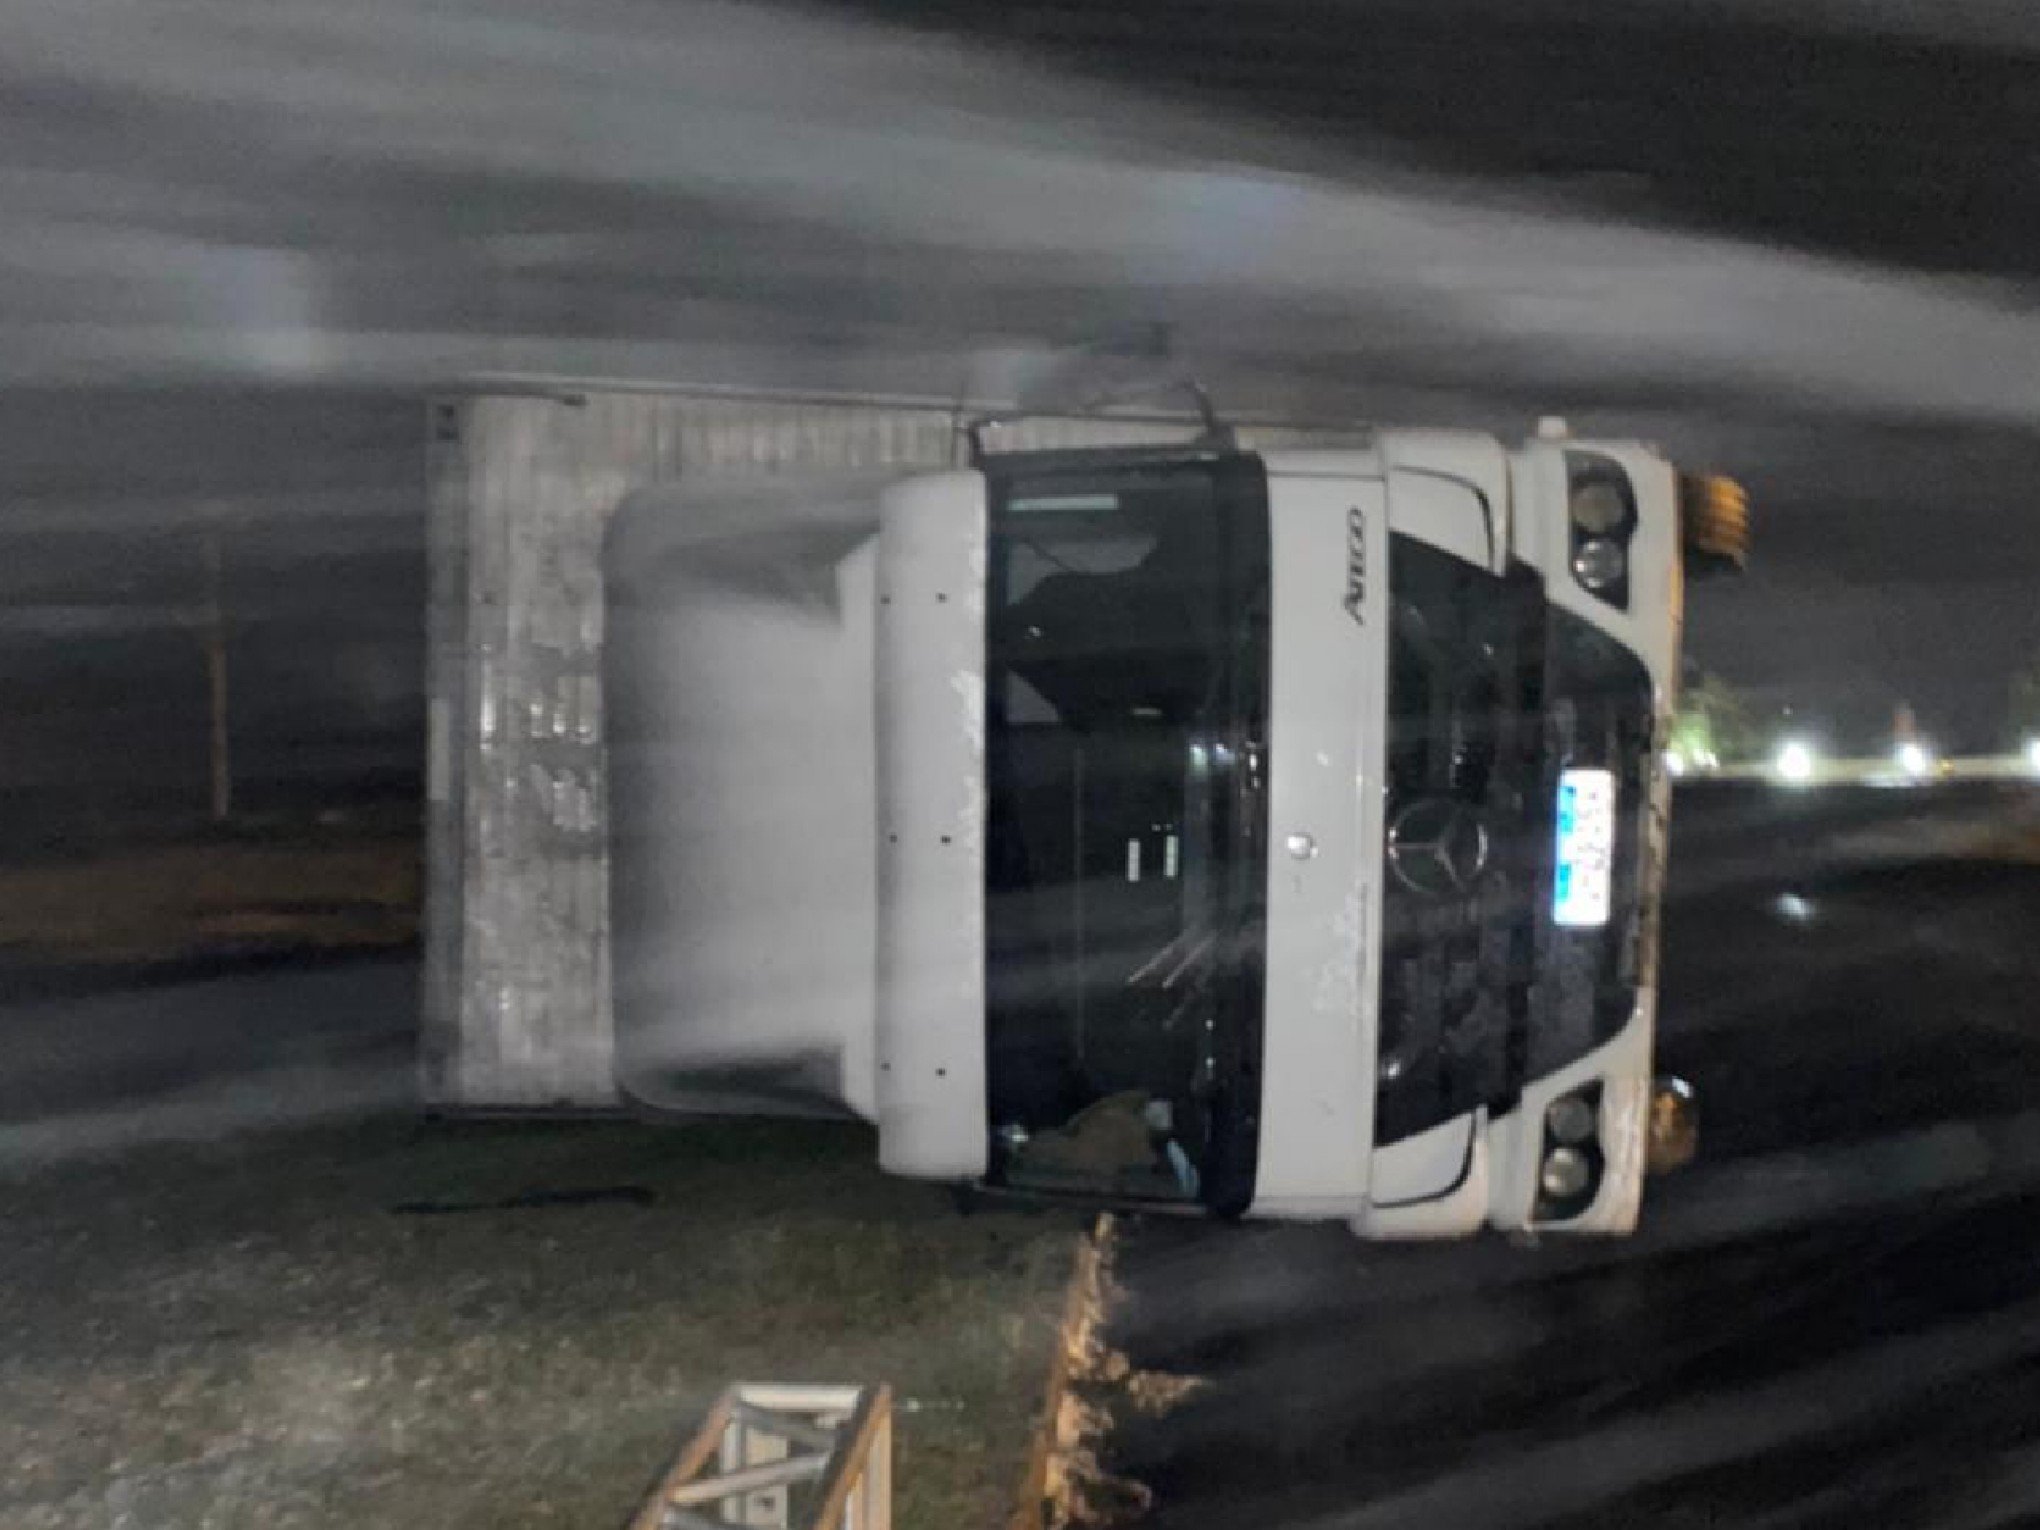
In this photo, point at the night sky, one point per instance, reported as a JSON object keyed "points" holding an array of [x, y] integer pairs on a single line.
{"points": [[242, 238]]}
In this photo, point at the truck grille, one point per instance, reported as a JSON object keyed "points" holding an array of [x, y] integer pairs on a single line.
{"points": [[1492, 692]]}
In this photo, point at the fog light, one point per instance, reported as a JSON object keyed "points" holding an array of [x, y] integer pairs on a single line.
{"points": [[1599, 563], [1570, 1119], [1565, 1174]]}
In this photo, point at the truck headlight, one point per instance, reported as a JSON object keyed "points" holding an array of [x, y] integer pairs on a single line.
{"points": [[1599, 563], [1598, 507], [1570, 1119], [1601, 519]]}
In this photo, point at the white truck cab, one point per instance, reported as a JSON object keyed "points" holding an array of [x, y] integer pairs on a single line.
{"points": [[1270, 833]]}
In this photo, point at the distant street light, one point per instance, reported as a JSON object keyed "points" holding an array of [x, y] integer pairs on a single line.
{"points": [[2033, 755], [1914, 758], [1796, 762]]}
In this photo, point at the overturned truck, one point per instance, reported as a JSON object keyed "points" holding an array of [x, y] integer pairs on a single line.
{"points": [[1267, 820]]}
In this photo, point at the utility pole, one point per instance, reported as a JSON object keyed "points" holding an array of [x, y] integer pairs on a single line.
{"points": [[214, 639]]}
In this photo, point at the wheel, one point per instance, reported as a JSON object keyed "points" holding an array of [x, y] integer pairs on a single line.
{"points": [[1714, 524]]}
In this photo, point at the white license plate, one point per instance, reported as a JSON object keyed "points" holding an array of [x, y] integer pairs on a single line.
{"points": [[1586, 848]]}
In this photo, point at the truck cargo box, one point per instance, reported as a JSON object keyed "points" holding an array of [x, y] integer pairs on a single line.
{"points": [[525, 476]]}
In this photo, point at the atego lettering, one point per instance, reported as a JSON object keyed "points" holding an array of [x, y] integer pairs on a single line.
{"points": [[1356, 565]]}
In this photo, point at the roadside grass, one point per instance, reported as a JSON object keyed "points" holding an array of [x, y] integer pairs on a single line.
{"points": [[251, 1332]]}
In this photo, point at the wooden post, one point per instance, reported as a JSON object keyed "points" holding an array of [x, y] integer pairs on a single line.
{"points": [[215, 640]]}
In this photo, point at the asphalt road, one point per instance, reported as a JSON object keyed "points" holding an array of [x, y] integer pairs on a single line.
{"points": [[1832, 1318]]}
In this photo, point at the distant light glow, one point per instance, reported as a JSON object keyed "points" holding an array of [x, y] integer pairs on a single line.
{"points": [[1792, 908], [1914, 758], [2033, 755], [1796, 761], [1675, 761]]}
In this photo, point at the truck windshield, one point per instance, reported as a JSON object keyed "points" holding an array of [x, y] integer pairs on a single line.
{"points": [[1126, 683]]}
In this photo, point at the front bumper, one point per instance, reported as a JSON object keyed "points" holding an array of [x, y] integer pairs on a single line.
{"points": [[1502, 1155]]}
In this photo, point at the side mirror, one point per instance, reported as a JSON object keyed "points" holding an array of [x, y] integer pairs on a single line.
{"points": [[1674, 1125]]}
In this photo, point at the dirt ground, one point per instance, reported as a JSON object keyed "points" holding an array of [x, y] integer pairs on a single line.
{"points": [[254, 891], [394, 1322]]}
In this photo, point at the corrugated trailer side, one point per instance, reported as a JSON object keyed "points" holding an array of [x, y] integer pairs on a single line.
{"points": [[523, 479]]}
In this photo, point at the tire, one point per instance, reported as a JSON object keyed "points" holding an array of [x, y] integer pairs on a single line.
{"points": [[1714, 524]]}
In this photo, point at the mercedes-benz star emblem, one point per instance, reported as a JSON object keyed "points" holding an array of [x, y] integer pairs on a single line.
{"points": [[1437, 847]]}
